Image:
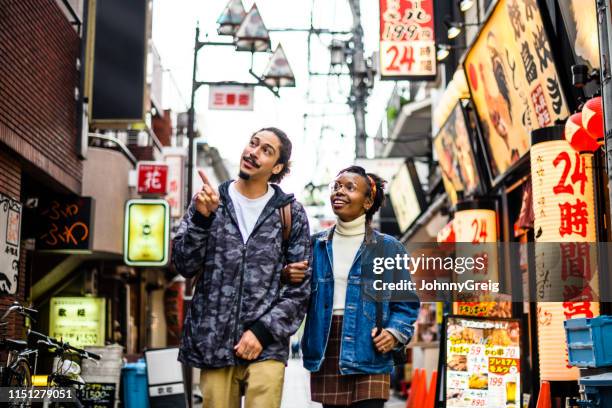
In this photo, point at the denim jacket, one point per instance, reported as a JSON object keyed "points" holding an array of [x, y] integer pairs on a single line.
{"points": [[357, 352]]}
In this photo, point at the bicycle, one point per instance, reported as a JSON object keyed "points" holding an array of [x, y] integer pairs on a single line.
{"points": [[17, 371], [67, 372]]}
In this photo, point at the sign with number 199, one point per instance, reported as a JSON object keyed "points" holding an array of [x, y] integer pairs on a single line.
{"points": [[407, 39]]}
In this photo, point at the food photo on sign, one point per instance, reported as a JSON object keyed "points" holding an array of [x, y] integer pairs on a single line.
{"points": [[455, 155], [483, 362], [513, 81]]}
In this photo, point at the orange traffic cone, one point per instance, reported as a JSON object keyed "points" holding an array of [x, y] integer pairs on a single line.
{"points": [[416, 377], [430, 400], [544, 399], [421, 390]]}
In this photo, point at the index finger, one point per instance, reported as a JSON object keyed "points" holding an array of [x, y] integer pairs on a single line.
{"points": [[203, 177]]}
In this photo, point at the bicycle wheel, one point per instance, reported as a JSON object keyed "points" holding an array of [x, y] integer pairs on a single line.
{"points": [[20, 375]]}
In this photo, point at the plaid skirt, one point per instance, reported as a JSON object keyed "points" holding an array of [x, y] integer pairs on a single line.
{"points": [[327, 386]]}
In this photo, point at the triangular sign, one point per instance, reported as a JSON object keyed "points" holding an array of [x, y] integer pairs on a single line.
{"points": [[231, 17], [279, 72], [252, 35]]}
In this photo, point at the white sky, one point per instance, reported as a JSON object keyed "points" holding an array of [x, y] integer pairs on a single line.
{"points": [[174, 25]]}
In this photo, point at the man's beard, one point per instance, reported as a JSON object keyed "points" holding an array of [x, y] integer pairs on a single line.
{"points": [[244, 175]]}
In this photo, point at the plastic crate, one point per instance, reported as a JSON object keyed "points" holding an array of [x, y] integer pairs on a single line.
{"points": [[135, 388], [598, 390], [586, 341]]}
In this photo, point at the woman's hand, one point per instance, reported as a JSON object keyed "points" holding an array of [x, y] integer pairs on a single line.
{"points": [[384, 342], [294, 273]]}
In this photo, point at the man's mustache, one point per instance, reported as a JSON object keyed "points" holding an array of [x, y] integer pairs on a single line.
{"points": [[251, 161]]}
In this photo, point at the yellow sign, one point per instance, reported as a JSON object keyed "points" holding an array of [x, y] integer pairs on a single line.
{"points": [[79, 321], [146, 232], [513, 81]]}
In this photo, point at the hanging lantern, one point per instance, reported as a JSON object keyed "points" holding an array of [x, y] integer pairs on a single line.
{"points": [[475, 226], [577, 136], [592, 118]]}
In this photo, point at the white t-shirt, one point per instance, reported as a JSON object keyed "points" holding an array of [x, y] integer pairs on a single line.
{"points": [[247, 209]]}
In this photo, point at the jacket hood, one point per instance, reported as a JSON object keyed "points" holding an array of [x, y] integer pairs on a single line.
{"points": [[278, 200]]}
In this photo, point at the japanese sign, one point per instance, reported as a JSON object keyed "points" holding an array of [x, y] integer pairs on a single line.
{"points": [[552, 344], [404, 194], [79, 321], [98, 395], [152, 178], [483, 362], [513, 81], [146, 232], [231, 97], [65, 224], [407, 39], [174, 195], [456, 156], [10, 239], [564, 213]]}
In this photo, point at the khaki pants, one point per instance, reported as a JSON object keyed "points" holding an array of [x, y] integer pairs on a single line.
{"points": [[263, 383]]}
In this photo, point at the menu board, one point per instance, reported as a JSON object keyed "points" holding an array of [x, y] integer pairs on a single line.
{"points": [[483, 362], [98, 395]]}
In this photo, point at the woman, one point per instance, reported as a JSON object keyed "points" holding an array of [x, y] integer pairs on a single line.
{"points": [[350, 359]]}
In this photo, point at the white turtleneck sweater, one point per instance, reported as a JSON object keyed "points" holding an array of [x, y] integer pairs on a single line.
{"points": [[347, 239]]}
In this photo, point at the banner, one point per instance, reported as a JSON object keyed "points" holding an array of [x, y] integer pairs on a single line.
{"points": [[407, 40], [10, 242]]}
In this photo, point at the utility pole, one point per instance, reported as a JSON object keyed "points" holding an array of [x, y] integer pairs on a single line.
{"points": [[359, 90]]}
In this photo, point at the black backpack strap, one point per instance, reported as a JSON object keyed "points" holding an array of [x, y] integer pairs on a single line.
{"points": [[285, 216]]}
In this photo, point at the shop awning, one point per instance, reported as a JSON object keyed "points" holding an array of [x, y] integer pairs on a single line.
{"points": [[411, 135]]}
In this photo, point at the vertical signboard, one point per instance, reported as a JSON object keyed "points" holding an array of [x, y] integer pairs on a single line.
{"points": [[120, 58], [10, 231], [407, 40], [483, 362], [174, 196]]}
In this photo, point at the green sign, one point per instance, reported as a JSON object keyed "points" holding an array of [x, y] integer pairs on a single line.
{"points": [[80, 321]]}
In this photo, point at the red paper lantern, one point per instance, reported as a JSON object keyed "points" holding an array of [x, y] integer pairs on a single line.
{"points": [[577, 136], [592, 118]]}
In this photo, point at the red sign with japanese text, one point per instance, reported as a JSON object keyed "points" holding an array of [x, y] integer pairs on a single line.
{"points": [[152, 178], [407, 39], [231, 97]]}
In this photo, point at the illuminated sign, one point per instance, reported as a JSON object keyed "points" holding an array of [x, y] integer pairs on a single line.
{"points": [[65, 224], [483, 362], [146, 232], [406, 196], [513, 82], [152, 178], [407, 39], [79, 321]]}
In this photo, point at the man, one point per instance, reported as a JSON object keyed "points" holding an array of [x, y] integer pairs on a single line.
{"points": [[241, 317]]}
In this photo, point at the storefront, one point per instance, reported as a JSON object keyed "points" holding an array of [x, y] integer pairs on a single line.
{"points": [[511, 179]]}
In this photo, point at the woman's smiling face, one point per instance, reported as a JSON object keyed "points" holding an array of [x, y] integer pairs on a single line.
{"points": [[349, 196]]}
